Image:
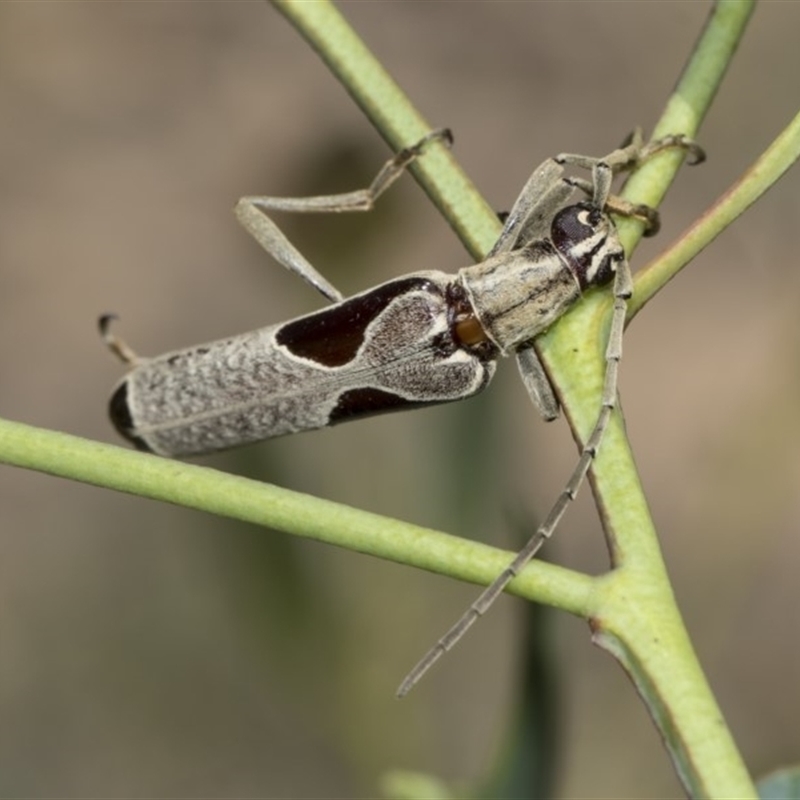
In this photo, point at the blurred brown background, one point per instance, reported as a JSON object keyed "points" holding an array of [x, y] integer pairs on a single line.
{"points": [[147, 650]]}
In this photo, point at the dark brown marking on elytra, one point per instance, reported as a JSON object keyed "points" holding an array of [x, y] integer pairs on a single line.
{"points": [[120, 413], [368, 401], [332, 337]]}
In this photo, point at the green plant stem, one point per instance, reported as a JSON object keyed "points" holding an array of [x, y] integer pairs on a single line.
{"points": [[233, 496], [635, 616], [688, 105], [631, 609], [765, 172], [396, 119]]}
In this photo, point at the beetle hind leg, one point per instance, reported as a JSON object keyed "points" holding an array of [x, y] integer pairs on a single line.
{"points": [[116, 345], [253, 212]]}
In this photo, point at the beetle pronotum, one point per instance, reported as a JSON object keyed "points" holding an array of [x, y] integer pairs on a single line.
{"points": [[421, 339]]}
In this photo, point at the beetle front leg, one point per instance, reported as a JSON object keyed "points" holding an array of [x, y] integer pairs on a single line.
{"points": [[631, 155]]}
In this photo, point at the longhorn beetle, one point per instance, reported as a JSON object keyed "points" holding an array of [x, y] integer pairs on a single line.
{"points": [[421, 339]]}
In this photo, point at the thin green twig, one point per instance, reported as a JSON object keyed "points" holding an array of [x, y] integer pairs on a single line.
{"points": [[765, 172], [396, 119], [234, 496], [632, 609]]}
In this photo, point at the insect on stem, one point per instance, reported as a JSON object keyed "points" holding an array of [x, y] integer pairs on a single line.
{"points": [[420, 339]]}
